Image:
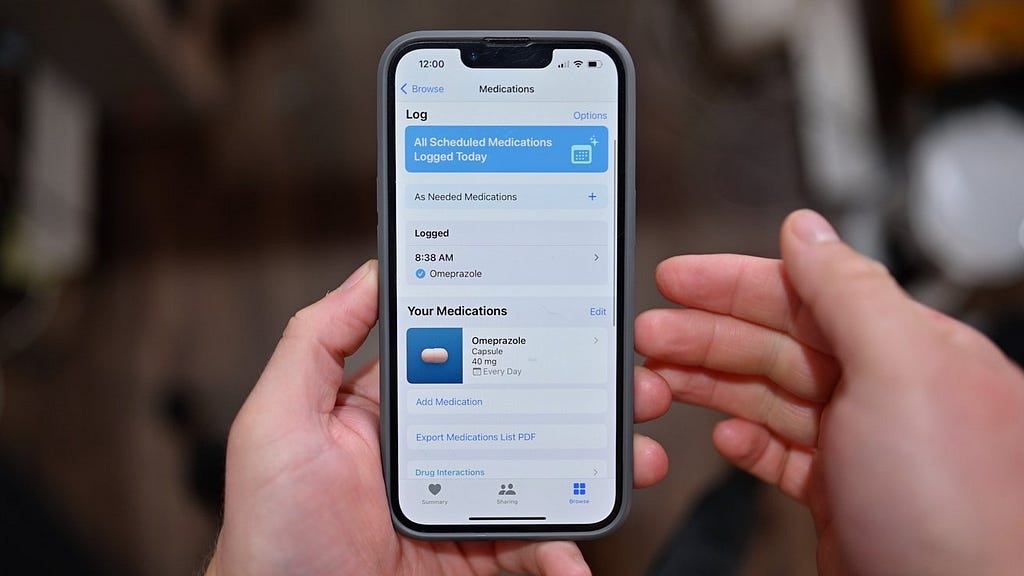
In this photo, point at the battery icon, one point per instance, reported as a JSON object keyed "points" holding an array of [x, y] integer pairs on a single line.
{"points": [[593, 64]]}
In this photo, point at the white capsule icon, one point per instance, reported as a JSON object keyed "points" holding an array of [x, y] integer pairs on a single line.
{"points": [[434, 355]]}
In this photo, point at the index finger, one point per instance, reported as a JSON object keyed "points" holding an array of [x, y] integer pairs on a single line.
{"points": [[745, 287]]}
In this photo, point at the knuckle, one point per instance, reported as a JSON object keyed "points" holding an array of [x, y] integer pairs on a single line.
{"points": [[298, 324], [774, 359], [696, 387], [802, 421], [858, 276], [237, 433], [860, 269], [766, 408]]}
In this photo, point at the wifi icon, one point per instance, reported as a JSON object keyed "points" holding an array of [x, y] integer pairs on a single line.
{"points": [[571, 63]]}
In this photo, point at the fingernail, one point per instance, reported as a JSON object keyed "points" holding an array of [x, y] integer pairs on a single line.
{"points": [[355, 277], [811, 228]]}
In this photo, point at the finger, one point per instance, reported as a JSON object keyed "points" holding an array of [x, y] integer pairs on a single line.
{"points": [[651, 396], [361, 392], [305, 372], [650, 461], [753, 448], [697, 338], [365, 384], [752, 398], [857, 304], [545, 558], [746, 287]]}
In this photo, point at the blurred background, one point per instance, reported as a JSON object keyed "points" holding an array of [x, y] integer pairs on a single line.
{"points": [[177, 177]]}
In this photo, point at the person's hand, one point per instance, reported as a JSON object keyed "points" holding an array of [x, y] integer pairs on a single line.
{"points": [[305, 489], [902, 430]]}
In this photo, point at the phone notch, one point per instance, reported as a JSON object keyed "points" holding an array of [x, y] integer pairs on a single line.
{"points": [[506, 52]]}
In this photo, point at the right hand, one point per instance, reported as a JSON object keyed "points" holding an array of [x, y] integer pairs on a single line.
{"points": [[902, 430]]}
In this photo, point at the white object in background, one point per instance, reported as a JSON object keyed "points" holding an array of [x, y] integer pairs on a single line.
{"points": [[53, 218], [742, 28], [837, 124], [966, 202]]}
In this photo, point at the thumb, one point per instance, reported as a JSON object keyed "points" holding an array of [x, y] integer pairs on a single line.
{"points": [[858, 306], [306, 370]]}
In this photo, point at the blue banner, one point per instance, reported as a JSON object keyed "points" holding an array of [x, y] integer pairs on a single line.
{"points": [[506, 149]]}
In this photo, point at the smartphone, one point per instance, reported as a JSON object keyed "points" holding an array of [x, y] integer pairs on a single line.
{"points": [[506, 233]]}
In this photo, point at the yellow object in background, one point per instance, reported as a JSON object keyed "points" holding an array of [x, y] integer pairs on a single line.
{"points": [[952, 38]]}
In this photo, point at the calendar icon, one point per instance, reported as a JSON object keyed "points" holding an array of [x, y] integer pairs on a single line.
{"points": [[582, 154]]}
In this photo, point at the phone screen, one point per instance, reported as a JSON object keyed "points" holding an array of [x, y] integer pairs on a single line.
{"points": [[506, 216]]}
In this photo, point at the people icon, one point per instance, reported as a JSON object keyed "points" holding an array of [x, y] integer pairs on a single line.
{"points": [[509, 491]]}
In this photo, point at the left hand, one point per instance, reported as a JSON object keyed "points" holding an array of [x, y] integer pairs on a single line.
{"points": [[305, 490]]}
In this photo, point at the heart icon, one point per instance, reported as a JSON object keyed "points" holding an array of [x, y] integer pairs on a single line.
{"points": [[434, 489]]}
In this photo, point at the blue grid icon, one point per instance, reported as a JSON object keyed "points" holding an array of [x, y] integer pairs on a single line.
{"points": [[579, 488], [582, 154]]}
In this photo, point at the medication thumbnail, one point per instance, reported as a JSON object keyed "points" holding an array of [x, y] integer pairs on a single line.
{"points": [[433, 355]]}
